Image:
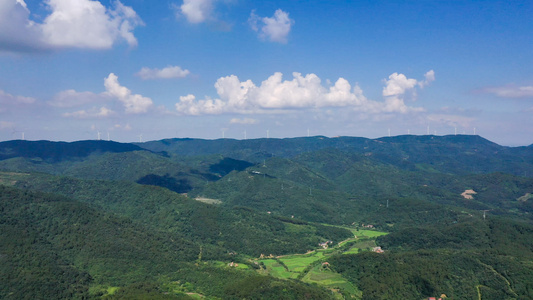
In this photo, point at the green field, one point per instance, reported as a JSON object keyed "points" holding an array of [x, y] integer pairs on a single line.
{"points": [[368, 233], [298, 263], [361, 245], [332, 280], [309, 268], [275, 269]]}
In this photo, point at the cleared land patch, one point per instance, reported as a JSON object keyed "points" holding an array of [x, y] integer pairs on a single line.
{"points": [[11, 178], [526, 197], [208, 200], [468, 194]]}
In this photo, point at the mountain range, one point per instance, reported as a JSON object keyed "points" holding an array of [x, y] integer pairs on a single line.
{"points": [[101, 219]]}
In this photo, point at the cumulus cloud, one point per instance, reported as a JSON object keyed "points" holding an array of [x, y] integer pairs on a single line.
{"points": [[71, 23], [134, 103], [275, 95], [165, 73], [397, 86], [88, 102], [102, 112], [196, 11], [274, 29], [246, 121], [17, 32], [511, 91], [189, 106]]}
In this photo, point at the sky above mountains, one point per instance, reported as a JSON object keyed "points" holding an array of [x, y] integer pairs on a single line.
{"points": [[135, 70]]}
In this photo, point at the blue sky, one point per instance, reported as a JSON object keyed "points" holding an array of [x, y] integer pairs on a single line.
{"points": [[73, 69]]}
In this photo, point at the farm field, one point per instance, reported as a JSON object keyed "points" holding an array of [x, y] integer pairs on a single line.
{"points": [[312, 267], [332, 280]]}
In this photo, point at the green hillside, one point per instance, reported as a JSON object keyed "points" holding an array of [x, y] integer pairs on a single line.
{"points": [[235, 229]]}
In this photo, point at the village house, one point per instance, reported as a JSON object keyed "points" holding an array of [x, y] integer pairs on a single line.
{"points": [[377, 249], [325, 245]]}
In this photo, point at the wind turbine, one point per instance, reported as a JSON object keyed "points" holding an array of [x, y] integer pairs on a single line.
{"points": [[108, 139], [140, 138], [98, 135], [15, 131], [389, 132]]}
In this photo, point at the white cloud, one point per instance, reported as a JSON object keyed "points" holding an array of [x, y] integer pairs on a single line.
{"points": [[189, 106], [133, 103], [102, 112], [8, 99], [275, 95], [71, 23], [246, 121], [88, 24], [397, 86], [196, 11], [275, 29], [71, 98], [17, 32], [88, 102], [165, 73], [511, 91], [429, 78]]}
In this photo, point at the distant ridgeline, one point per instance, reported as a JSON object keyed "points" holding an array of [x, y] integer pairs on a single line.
{"points": [[184, 218], [57, 151], [458, 154]]}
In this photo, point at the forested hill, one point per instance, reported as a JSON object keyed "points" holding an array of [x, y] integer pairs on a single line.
{"points": [[456, 154], [57, 151]]}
